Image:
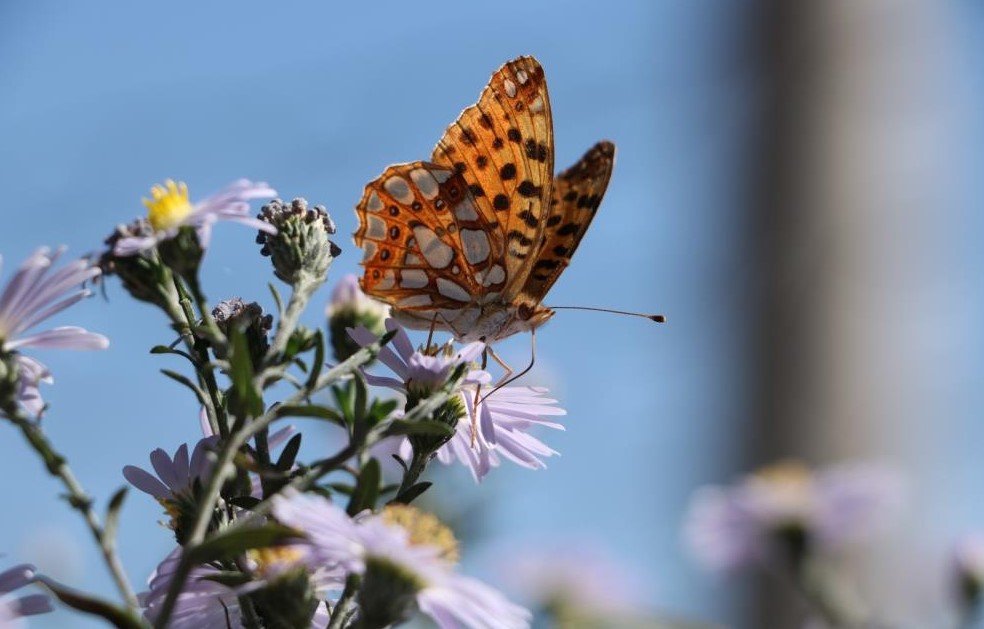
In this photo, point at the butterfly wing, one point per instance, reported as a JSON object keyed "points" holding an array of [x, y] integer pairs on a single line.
{"points": [[427, 250], [502, 146], [575, 197]]}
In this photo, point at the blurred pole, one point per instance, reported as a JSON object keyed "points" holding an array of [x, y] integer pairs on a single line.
{"points": [[846, 205]]}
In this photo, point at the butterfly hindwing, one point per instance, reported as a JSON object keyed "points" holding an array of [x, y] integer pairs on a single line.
{"points": [[575, 197]]}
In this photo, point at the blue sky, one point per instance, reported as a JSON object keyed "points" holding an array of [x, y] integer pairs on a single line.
{"points": [[103, 100]]}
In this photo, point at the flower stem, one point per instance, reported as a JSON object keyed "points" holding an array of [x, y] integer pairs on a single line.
{"points": [[300, 295], [206, 377], [341, 612], [58, 466], [838, 607]]}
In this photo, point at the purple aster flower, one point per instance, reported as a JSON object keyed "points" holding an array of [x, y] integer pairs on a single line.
{"points": [[729, 528], [504, 418], [12, 608], [169, 209], [31, 296], [420, 373], [178, 477], [205, 603], [393, 558]]}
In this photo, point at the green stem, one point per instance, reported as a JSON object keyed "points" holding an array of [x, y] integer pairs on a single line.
{"points": [[300, 295], [417, 466], [344, 604], [199, 348], [58, 466], [835, 604]]}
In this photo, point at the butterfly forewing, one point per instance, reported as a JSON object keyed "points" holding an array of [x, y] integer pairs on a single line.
{"points": [[503, 147], [426, 246], [575, 197]]}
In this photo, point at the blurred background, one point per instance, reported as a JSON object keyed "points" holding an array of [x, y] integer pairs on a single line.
{"points": [[797, 188]]}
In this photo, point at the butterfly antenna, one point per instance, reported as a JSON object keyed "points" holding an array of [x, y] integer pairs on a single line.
{"points": [[658, 318]]}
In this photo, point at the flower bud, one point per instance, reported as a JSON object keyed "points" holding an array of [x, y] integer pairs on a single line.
{"points": [[249, 320], [301, 245], [348, 308], [143, 276]]}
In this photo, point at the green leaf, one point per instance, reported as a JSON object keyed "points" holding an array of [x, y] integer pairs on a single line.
{"points": [[413, 492], [342, 488], [289, 454], [319, 361], [180, 379], [85, 603], [366, 490], [166, 349], [246, 400], [229, 544], [113, 512], [310, 410], [422, 427], [277, 300]]}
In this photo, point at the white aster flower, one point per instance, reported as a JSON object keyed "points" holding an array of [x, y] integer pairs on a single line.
{"points": [[733, 527], [31, 296], [170, 209], [395, 557]]}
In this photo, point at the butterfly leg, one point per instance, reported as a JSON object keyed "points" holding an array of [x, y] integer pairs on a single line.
{"points": [[508, 377]]}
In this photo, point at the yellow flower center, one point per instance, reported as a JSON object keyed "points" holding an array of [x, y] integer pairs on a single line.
{"points": [[423, 528], [786, 474], [169, 205], [273, 555]]}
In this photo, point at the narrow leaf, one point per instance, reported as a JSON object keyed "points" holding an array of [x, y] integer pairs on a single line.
{"points": [[366, 490]]}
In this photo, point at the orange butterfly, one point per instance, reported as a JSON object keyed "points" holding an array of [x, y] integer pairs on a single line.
{"points": [[472, 240]]}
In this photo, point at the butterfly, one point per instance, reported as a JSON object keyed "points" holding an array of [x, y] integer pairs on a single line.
{"points": [[472, 240]]}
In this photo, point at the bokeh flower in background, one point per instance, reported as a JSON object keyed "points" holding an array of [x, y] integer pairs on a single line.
{"points": [[784, 511], [34, 294]]}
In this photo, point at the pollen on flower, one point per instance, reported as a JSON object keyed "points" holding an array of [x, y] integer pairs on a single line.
{"points": [[169, 205], [423, 528]]}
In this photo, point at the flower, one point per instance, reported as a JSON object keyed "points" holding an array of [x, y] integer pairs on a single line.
{"points": [[348, 308], [12, 608], [180, 479], [169, 209], [571, 580], [420, 373], [31, 296], [404, 568], [504, 415], [202, 602], [785, 511], [205, 603], [967, 572], [298, 246]]}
